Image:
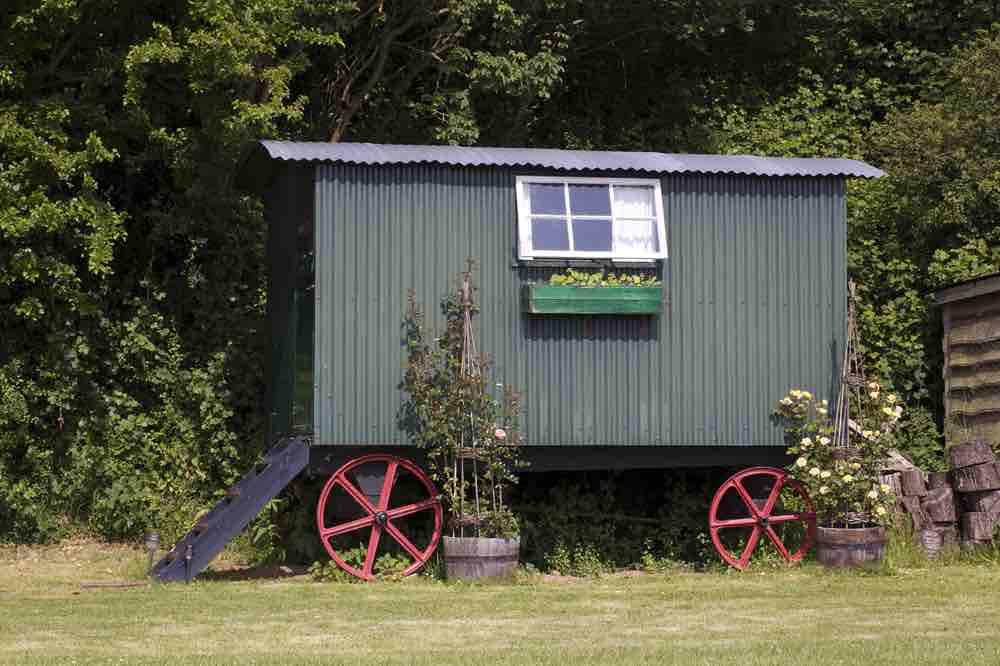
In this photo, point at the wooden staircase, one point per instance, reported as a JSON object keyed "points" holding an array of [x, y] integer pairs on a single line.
{"points": [[233, 513]]}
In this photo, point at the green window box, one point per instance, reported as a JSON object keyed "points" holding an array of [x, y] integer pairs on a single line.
{"points": [[561, 299]]}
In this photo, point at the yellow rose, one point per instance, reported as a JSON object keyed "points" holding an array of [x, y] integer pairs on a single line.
{"points": [[814, 471], [891, 398], [885, 487], [825, 474], [873, 494], [847, 478], [880, 510], [825, 441], [823, 490], [855, 466]]}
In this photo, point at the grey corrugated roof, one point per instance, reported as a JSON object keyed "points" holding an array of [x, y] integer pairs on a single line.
{"points": [[569, 160]]}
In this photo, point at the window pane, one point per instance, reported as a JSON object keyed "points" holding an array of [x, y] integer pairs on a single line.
{"points": [[636, 237], [547, 199], [592, 235], [549, 234], [633, 201], [589, 200]]}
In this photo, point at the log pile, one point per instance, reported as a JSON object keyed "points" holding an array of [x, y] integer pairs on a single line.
{"points": [[975, 476], [927, 499]]}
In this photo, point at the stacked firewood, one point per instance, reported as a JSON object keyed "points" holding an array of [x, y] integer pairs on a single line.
{"points": [[976, 477], [927, 499]]}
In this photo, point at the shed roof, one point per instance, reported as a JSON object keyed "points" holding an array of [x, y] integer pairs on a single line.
{"points": [[977, 286], [568, 160]]}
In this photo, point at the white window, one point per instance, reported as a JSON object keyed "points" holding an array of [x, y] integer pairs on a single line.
{"points": [[611, 218]]}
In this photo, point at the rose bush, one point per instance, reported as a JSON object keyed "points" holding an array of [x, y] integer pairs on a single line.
{"points": [[843, 481]]}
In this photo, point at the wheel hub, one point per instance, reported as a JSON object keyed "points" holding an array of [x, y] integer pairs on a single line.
{"points": [[382, 518]]}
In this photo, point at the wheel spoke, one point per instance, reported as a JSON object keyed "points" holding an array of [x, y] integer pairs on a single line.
{"points": [[353, 491], [342, 528], [408, 509], [735, 522], [746, 497], [404, 542], [772, 498], [751, 544], [773, 536], [387, 484], [791, 517], [372, 549]]}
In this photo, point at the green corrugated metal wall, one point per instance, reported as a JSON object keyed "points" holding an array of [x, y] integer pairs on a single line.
{"points": [[754, 291]]}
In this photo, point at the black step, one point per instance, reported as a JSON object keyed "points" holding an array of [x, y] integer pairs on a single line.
{"points": [[233, 513]]}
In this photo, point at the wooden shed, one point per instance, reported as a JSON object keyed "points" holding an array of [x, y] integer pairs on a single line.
{"points": [[971, 315], [751, 252]]}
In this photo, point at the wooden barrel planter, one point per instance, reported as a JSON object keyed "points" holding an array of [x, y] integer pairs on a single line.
{"points": [[473, 558], [850, 546]]}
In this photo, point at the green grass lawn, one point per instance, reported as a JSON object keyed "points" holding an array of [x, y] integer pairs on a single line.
{"points": [[943, 614]]}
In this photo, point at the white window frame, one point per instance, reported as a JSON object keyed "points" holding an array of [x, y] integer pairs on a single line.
{"points": [[526, 252]]}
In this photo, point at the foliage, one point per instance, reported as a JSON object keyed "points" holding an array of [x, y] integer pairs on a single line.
{"points": [[843, 477], [580, 560], [388, 566], [573, 521], [450, 412], [577, 278]]}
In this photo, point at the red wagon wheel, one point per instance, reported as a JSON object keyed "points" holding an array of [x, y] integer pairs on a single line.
{"points": [[754, 502], [367, 485]]}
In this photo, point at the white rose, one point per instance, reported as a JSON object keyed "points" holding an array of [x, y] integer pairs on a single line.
{"points": [[825, 474], [814, 471], [801, 462], [873, 494]]}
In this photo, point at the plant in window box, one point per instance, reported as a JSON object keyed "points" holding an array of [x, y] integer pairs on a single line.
{"points": [[579, 292], [470, 435], [842, 467]]}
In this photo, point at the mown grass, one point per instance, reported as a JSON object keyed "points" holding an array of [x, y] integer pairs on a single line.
{"points": [[942, 614]]}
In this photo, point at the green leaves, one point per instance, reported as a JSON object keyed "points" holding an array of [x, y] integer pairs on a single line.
{"points": [[573, 277]]}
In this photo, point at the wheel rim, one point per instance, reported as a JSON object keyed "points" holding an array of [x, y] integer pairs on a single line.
{"points": [[384, 521], [761, 519]]}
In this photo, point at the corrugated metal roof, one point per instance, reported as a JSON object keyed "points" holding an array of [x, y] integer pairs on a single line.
{"points": [[568, 160]]}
